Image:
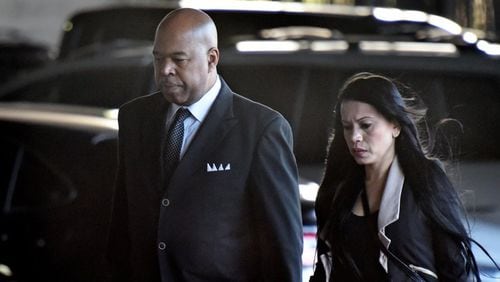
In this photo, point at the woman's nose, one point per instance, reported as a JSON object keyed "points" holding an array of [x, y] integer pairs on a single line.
{"points": [[356, 136]]}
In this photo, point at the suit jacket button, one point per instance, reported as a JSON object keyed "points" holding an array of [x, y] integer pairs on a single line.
{"points": [[162, 246], [165, 202]]}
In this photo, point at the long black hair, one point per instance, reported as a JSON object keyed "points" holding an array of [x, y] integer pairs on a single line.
{"points": [[433, 192]]}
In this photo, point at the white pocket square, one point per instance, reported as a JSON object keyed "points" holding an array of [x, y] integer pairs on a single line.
{"points": [[221, 167]]}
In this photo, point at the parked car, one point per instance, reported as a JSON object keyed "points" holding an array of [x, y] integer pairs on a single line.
{"points": [[56, 174], [18, 55], [59, 128]]}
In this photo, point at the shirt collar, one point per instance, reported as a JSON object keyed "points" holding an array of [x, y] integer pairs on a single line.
{"points": [[391, 199], [199, 110]]}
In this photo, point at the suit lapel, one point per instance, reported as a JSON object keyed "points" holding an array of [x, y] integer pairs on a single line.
{"points": [[219, 121], [153, 138]]}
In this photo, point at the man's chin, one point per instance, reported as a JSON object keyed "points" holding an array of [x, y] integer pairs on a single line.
{"points": [[175, 97]]}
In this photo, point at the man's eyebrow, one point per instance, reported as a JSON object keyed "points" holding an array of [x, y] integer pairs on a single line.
{"points": [[178, 53]]}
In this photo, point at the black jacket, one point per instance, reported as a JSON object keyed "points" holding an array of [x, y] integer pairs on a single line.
{"points": [[408, 233], [239, 222]]}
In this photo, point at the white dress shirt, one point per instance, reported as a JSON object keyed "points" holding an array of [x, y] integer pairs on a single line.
{"points": [[198, 110]]}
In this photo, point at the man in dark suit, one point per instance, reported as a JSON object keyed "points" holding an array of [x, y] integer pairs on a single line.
{"points": [[228, 208]]}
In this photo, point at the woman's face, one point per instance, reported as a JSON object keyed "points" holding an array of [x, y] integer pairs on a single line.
{"points": [[369, 136]]}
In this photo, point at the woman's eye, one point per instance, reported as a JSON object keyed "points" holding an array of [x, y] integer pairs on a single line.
{"points": [[365, 125]]}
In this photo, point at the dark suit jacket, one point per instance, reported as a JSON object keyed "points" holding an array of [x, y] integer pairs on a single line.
{"points": [[239, 222]]}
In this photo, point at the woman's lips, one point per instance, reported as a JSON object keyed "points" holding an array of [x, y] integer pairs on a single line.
{"points": [[358, 152]]}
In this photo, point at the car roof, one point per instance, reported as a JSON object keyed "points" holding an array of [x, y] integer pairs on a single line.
{"points": [[267, 21]]}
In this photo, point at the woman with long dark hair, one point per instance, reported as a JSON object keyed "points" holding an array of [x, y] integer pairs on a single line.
{"points": [[386, 211]]}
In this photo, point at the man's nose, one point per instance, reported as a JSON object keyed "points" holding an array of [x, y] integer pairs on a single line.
{"points": [[168, 68]]}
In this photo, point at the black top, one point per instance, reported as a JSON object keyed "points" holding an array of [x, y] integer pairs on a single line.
{"points": [[361, 245]]}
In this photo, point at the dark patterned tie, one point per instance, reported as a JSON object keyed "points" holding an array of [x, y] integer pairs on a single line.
{"points": [[174, 142]]}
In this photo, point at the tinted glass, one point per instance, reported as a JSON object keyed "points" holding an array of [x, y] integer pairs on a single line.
{"points": [[306, 96], [40, 186], [9, 156], [89, 85], [28, 181]]}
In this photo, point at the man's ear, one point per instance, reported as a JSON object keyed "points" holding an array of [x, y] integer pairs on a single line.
{"points": [[213, 58]]}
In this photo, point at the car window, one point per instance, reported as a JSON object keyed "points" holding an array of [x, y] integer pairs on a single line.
{"points": [[98, 27], [277, 86], [475, 102], [306, 96], [98, 86], [471, 102], [29, 182], [8, 153]]}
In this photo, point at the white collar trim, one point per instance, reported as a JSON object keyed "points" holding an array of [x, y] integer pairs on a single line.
{"points": [[390, 206], [391, 199]]}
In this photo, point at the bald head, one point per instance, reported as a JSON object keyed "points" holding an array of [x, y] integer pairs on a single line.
{"points": [[190, 21], [186, 55]]}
